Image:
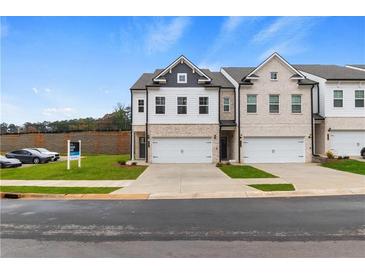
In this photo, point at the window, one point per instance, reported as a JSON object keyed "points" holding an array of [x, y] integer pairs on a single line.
{"points": [[296, 103], [226, 104], [359, 98], [160, 105], [140, 105], [273, 75], [274, 104], [251, 103], [203, 105], [182, 78], [338, 98], [181, 105]]}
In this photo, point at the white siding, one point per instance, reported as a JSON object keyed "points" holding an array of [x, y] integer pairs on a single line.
{"points": [[322, 88], [192, 116], [139, 118]]}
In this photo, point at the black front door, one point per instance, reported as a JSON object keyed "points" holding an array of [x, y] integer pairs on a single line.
{"points": [[142, 147], [224, 148]]}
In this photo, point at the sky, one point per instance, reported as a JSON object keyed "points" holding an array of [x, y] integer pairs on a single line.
{"points": [[56, 68]]}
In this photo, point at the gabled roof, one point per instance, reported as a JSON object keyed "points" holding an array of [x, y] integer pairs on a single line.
{"points": [[332, 72], [217, 80], [359, 67], [181, 59], [238, 72], [252, 75]]}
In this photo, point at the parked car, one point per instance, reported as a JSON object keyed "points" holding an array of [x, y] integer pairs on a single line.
{"points": [[363, 152], [7, 162], [29, 156], [55, 155]]}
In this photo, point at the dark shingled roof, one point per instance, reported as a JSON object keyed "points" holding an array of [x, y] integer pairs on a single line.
{"points": [[218, 79], [358, 66], [332, 72], [237, 73]]}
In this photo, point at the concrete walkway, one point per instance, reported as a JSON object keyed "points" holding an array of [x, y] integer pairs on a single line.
{"points": [[61, 183]]}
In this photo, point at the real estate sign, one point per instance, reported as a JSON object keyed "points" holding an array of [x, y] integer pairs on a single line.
{"points": [[73, 152]]}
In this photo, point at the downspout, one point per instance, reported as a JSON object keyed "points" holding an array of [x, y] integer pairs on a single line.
{"points": [[147, 141], [131, 137], [312, 124], [318, 97], [219, 123], [239, 123]]}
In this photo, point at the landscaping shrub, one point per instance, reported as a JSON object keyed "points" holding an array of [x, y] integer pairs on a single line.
{"points": [[346, 157], [134, 163], [122, 162], [219, 164], [330, 155]]}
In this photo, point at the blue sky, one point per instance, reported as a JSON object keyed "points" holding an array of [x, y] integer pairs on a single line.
{"points": [[69, 67]]}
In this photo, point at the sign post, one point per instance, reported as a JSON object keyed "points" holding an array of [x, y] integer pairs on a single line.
{"points": [[73, 152]]}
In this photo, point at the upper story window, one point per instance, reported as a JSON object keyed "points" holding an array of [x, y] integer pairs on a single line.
{"points": [[359, 98], [338, 98], [203, 105], [160, 105], [274, 103], [226, 104], [140, 105], [182, 78], [296, 103], [251, 103], [181, 105], [273, 75]]}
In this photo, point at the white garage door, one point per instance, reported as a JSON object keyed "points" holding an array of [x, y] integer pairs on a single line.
{"points": [[181, 150], [274, 150], [347, 143]]}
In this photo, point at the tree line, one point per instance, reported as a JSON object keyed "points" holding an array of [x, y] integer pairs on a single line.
{"points": [[118, 120]]}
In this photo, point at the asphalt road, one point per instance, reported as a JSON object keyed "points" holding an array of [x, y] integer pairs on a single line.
{"points": [[268, 227]]}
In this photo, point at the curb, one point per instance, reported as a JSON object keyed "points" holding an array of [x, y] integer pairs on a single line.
{"points": [[39, 196]]}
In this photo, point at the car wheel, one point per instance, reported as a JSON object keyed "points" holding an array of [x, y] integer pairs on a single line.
{"points": [[36, 160], [1, 166]]}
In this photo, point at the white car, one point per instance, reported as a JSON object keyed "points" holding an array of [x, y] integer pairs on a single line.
{"points": [[9, 162], [55, 155]]}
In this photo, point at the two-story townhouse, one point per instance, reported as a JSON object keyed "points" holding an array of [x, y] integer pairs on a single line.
{"points": [[182, 114], [340, 125], [275, 112]]}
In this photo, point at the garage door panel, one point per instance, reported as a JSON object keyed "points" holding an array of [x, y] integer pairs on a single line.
{"points": [[347, 143], [274, 149], [181, 150]]}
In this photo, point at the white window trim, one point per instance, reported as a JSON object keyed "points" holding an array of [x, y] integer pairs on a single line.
{"points": [[203, 105], [138, 106], [333, 96], [296, 104], [229, 104], [275, 104], [247, 104], [363, 98], [276, 76], [160, 105], [177, 105], [182, 74]]}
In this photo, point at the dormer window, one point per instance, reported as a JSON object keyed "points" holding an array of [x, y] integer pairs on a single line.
{"points": [[273, 75], [182, 78]]}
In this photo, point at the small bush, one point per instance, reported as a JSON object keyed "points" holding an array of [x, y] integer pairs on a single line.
{"points": [[122, 162], [219, 164], [134, 163], [330, 155], [339, 157], [346, 157]]}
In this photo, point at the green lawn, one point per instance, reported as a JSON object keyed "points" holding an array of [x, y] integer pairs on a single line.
{"points": [[274, 187], [101, 167], [235, 171], [352, 166], [58, 190]]}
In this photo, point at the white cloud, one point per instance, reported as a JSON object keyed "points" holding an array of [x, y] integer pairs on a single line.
{"points": [[233, 22], [41, 91], [35, 90], [215, 66], [59, 112], [162, 35], [48, 90]]}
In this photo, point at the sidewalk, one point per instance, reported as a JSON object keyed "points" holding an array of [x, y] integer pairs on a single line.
{"points": [[74, 183]]}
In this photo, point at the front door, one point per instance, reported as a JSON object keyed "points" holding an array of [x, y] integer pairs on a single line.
{"points": [[142, 147], [224, 148]]}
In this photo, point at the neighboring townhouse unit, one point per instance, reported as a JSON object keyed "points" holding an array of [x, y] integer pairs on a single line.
{"points": [[274, 110], [181, 113], [340, 125]]}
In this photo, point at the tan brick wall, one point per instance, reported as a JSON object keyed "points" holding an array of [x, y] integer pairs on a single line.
{"points": [[230, 94], [193, 130], [94, 142], [284, 123]]}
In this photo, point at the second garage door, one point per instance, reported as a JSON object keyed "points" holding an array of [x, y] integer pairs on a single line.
{"points": [[181, 150], [274, 150], [347, 143]]}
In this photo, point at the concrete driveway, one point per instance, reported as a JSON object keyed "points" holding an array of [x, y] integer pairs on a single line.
{"points": [[312, 176], [185, 179]]}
